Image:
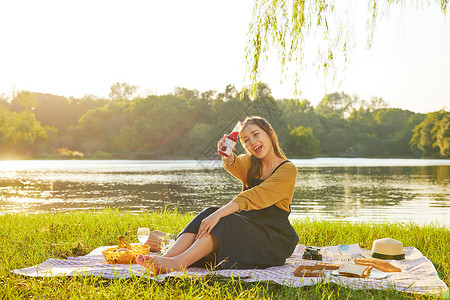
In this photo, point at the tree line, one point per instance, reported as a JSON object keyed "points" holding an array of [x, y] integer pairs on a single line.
{"points": [[187, 123]]}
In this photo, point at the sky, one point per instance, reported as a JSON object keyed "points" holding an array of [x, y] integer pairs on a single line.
{"points": [[82, 47]]}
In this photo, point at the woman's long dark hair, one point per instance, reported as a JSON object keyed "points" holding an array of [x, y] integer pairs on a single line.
{"points": [[255, 167]]}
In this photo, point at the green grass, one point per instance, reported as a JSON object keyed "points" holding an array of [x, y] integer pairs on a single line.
{"points": [[31, 239]]}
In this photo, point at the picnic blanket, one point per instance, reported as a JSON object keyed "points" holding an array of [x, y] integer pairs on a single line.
{"points": [[418, 273]]}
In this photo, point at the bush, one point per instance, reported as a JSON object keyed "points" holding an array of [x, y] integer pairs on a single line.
{"points": [[302, 142], [65, 153]]}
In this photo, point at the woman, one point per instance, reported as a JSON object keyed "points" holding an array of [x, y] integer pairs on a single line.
{"points": [[251, 231]]}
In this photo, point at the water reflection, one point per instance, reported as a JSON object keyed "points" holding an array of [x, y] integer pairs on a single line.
{"points": [[377, 193], [417, 190]]}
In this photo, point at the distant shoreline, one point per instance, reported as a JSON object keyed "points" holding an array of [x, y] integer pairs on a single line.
{"points": [[218, 158]]}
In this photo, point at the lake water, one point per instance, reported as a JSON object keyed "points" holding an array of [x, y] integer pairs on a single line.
{"points": [[327, 188]]}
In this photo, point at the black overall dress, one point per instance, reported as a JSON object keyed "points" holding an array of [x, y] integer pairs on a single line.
{"points": [[250, 239]]}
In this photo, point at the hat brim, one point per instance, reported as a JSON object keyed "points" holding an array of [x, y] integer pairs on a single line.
{"points": [[367, 254]]}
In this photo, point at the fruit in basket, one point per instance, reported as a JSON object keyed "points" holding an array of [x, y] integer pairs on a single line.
{"points": [[123, 243]]}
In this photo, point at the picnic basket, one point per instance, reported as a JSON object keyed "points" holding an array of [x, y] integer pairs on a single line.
{"points": [[125, 253]]}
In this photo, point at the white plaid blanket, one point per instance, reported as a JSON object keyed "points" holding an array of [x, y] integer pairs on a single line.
{"points": [[418, 273]]}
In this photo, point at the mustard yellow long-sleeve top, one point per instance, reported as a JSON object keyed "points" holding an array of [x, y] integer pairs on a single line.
{"points": [[277, 189]]}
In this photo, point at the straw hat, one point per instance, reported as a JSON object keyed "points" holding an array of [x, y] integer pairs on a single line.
{"points": [[386, 249]]}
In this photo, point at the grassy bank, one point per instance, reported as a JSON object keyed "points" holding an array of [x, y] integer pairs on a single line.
{"points": [[31, 239]]}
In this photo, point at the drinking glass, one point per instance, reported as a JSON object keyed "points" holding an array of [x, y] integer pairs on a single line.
{"points": [[143, 233]]}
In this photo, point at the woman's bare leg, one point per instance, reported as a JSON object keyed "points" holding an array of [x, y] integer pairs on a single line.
{"points": [[181, 244], [199, 249]]}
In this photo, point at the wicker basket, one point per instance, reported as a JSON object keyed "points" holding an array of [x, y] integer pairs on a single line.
{"points": [[124, 256], [156, 240]]}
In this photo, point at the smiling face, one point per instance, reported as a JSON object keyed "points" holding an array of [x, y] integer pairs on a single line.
{"points": [[256, 141]]}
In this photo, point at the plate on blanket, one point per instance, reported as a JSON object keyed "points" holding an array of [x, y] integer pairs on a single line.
{"points": [[374, 274]]}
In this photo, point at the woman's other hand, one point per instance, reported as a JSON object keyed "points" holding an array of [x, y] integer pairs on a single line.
{"points": [[210, 221], [207, 225], [227, 160]]}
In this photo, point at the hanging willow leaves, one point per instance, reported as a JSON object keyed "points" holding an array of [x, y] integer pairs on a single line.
{"points": [[281, 28]]}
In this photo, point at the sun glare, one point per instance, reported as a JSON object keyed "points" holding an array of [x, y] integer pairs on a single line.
{"points": [[13, 165]]}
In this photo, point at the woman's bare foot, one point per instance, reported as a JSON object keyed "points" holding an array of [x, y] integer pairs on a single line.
{"points": [[146, 260], [163, 265]]}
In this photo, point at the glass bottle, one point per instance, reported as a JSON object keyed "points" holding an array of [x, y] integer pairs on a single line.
{"points": [[231, 141]]}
